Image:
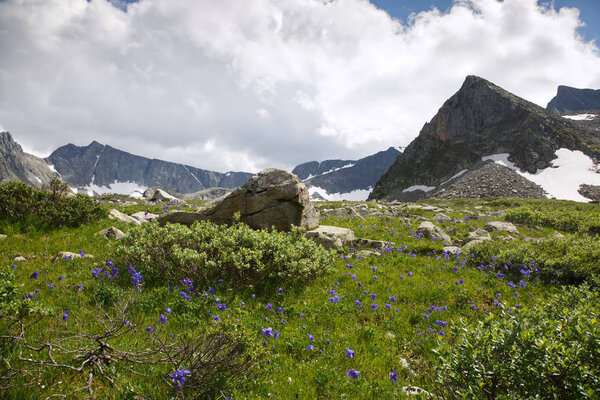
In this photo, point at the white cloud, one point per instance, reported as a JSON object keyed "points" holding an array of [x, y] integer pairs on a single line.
{"points": [[241, 85]]}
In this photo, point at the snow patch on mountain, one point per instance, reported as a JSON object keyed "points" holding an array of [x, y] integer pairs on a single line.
{"points": [[419, 187], [580, 117], [330, 171], [569, 170], [355, 195], [129, 188]]}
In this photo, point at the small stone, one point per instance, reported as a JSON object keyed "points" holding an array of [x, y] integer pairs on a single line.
{"points": [[331, 237], [144, 216], [2, 237], [19, 258], [111, 233], [430, 231], [501, 226]]}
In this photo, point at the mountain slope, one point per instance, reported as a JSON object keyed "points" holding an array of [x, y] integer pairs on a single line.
{"points": [[16, 165], [569, 100], [345, 179], [102, 168], [481, 120]]}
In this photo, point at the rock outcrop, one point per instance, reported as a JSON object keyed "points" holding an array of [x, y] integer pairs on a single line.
{"points": [[16, 165], [591, 192], [271, 198], [482, 119], [570, 100]]}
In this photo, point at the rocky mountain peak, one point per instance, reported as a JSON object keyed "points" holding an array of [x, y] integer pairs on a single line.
{"points": [[16, 165], [479, 120]]}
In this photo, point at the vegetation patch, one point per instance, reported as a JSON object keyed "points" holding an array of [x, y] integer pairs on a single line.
{"points": [[206, 252]]}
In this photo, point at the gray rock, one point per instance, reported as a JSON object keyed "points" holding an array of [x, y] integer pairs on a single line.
{"points": [[360, 243], [144, 216], [590, 192], [67, 255], [346, 212], [478, 234], [430, 231], [271, 198], [331, 237], [441, 217], [451, 249], [161, 195], [2, 237], [19, 258], [111, 233], [364, 254], [118, 215], [501, 226], [470, 244]]}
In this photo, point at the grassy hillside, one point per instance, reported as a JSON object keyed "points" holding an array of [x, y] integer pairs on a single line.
{"points": [[218, 313]]}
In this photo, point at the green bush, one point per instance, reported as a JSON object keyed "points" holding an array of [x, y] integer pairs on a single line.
{"points": [[551, 351], [573, 258], [565, 216], [206, 252], [25, 206]]}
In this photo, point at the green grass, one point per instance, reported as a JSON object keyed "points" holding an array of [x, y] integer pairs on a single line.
{"points": [[412, 270]]}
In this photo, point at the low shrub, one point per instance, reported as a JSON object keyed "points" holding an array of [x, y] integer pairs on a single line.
{"points": [[564, 216], [551, 351], [237, 254], [571, 259], [25, 207]]}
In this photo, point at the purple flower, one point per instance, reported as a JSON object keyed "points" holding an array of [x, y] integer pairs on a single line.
{"points": [[310, 347], [276, 334], [358, 303], [216, 317], [373, 296], [51, 286], [149, 329], [394, 376], [162, 319], [168, 310], [66, 315], [267, 332], [311, 338], [110, 263], [393, 299], [279, 290], [80, 287], [349, 353], [374, 306], [14, 266], [334, 299], [179, 376], [34, 275], [352, 373], [222, 306], [441, 323], [269, 306], [185, 296], [60, 278]]}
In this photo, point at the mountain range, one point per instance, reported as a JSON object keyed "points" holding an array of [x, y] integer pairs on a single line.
{"points": [[483, 142]]}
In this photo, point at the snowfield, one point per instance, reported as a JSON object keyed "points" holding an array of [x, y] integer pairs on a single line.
{"points": [[571, 169]]}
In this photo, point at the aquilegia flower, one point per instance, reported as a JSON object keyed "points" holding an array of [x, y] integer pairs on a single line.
{"points": [[349, 353], [352, 373], [34, 275], [394, 376], [179, 376], [162, 319], [66, 315]]}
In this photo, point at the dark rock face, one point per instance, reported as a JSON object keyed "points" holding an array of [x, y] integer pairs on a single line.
{"points": [[479, 120], [102, 165], [591, 192], [271, 198], [361, 174], [16, 165], [569, 100]]}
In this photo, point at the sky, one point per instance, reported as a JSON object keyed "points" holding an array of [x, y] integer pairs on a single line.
{"points": [[245, 85]]}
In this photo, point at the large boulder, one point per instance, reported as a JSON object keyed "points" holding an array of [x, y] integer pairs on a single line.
{"points": [[501, 226], [271, 198], [430, 231]]}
